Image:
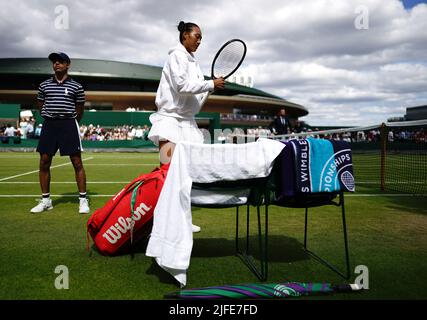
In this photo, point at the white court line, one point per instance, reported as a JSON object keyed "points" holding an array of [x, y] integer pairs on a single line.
{"points": [[387, 195], [111, 195], [30, 172], [52, 195], [122, 164], [64, 182], [397, 182]]}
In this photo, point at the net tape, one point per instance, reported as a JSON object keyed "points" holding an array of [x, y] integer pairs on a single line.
{"points": [[414, 123]]}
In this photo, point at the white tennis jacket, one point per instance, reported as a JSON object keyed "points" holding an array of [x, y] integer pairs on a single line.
{"points": [[182, 87]]}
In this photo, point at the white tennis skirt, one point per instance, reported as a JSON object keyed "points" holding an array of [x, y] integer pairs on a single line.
{"points": [[173, 129]]}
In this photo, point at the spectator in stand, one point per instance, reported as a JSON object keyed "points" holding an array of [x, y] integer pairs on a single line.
{"points": [[390, 136], [30, 130], [300, 127], [10, 131], [138, 133], [82, 131], [23, 127], [3, 137], [125, 132], [131, 133], [360, 136]]}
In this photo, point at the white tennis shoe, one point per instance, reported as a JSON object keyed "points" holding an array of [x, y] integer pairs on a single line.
{"points": [[84, 205], [195, 228], [44, 204]]}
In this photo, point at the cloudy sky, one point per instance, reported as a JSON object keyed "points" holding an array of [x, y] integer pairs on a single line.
{"points": [[353, 62]]}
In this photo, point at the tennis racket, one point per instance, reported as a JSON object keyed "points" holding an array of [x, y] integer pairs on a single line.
{"points": [[227, 60]]}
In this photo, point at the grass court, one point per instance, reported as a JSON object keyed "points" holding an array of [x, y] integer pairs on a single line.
{"points": [[386, 232]]}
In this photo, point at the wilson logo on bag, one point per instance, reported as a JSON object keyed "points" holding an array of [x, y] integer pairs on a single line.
{"points": [[115, 232]]}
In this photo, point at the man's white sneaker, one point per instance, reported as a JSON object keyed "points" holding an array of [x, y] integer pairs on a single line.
{"points": [[44, 204], [84, 205], [195, 228]]}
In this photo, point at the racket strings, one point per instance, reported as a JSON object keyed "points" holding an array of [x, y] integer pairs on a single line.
{"points": [[228, 59]]}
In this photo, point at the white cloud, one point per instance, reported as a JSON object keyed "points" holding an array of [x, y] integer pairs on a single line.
{"points": [[306, 51]]}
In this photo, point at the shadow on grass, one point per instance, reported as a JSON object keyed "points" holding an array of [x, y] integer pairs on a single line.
{"points": [[162, 275], [280, 248], [413, 204], [69, 198], [140, 248]]}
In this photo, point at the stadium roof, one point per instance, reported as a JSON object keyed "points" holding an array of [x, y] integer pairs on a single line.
{"points": [[82, 67], [134, 72]]}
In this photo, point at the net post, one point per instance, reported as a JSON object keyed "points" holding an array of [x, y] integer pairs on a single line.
{"points": [[383, 153]]}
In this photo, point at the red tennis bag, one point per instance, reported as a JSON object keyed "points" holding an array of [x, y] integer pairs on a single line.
{"points": [[127, 217]]}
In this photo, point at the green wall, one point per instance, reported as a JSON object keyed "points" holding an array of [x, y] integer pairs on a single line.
{"points": [[32, 143], [9, 111]]}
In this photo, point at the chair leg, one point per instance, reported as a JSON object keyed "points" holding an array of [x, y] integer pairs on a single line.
{"points": [[265, 258], [247, 228], [263, 247], [344, 224], [237, 230], [347, 260], [260, 272], [305, 228]]}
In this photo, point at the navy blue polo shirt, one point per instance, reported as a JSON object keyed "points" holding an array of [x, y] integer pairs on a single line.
{"points": [[60, 99]]}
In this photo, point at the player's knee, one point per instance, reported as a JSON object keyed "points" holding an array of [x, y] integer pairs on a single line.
{"points": [[45, 163], [78, 165], [166, 152], [44, 167]]}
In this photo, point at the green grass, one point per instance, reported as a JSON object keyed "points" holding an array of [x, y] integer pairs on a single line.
{"points": [[387, 234]]}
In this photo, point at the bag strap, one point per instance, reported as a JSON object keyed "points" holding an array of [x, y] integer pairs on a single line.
{"points": [[132, 203], [132, 208]]}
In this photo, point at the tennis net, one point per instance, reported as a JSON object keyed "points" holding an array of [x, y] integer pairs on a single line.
{"points": [[389, 157]]}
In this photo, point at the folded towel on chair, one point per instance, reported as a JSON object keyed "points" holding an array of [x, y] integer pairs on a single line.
{"points": [[315, 165]]}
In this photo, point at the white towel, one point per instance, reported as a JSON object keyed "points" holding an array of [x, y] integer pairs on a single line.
{"points": [[235, 196], [171, 239]]}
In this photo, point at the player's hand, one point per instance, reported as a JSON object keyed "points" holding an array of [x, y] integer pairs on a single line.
{"points": [[219, 83]]}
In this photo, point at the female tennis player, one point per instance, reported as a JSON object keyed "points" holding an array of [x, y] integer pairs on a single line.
{"points": [[180, 95]]}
